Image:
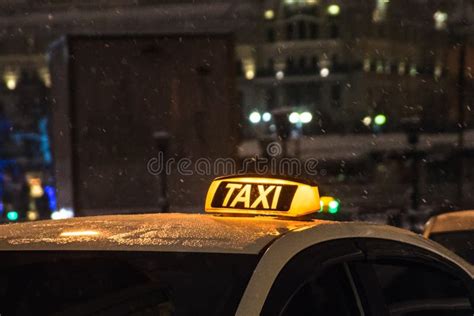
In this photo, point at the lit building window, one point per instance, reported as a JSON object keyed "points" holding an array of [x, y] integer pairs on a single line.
{"points": [[468, 72], [249, 69], [413, 71], [379, 67], [269, 14], [401, 68], [380, 11], [36, 189], [249, 74], [334, 9], [366, 64], [438, 71], [301, 2], [45, 76], [440, 19], [387, 68], [10, 78]]}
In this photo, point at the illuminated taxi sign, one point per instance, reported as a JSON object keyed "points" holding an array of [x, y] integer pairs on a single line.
{"points": [[262, 196]]}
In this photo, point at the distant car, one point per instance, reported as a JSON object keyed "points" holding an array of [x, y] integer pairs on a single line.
{"points": [[455, 231], [230, 261]]}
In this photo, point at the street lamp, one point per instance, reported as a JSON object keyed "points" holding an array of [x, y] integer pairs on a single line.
{"points": [[324, 72], [367, 120], [334, 9], [306, 117], [266, 117], [380, 119], [459, 26], [279, 75], [254, 117], [294, 117]]}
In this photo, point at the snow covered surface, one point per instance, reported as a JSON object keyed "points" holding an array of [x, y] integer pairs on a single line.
{"points": [[356, 146], [149, 232], [453, 221]]}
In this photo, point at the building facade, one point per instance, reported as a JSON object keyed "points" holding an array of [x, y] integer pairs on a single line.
{"points": [[347, 62], [379, 67]]}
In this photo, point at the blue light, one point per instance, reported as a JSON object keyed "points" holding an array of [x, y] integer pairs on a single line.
{"points": [[51, 193], [44, 140]]}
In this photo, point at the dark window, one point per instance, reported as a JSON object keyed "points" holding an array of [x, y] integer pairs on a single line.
{"points": [[238, 67], [290, 63], [314, 62], [302, 63], [442, 171], [302, 29], [271, 64], [409, 288], [336, 92], [313, 30], [328, 294], [290, 31], [394, 68], [334, 32], [271, 35], [294, 94], [309, 285], [116, 283], [270, 99]]}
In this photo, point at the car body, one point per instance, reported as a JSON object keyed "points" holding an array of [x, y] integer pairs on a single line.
{"points": [[455, 231], [194, 264]]}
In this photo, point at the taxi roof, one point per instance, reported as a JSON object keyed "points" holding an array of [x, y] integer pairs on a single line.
{"points": [[452, 221], [150, 232]]}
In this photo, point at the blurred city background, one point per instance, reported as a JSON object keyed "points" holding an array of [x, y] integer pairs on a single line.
{"points": [[380, 92]]}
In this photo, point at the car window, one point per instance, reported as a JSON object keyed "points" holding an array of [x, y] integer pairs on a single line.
{"points": [[114, 283], [330, 293], [310, 285], [460, 242], [418, 289]]}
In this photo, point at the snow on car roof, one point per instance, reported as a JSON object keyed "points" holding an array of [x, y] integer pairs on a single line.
{"points": [[452, 221], [149, 232]]}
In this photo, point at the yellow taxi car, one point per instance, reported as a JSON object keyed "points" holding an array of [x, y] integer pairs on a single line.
{"points": [[455, 231], [256, 251]]}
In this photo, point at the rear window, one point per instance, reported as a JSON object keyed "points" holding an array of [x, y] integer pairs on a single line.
{"points": [[460, 242], [122, 283]]}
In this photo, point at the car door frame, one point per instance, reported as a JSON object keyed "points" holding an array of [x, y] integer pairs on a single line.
{"points": [[382, 250], [280, 252], [307, 265]]}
